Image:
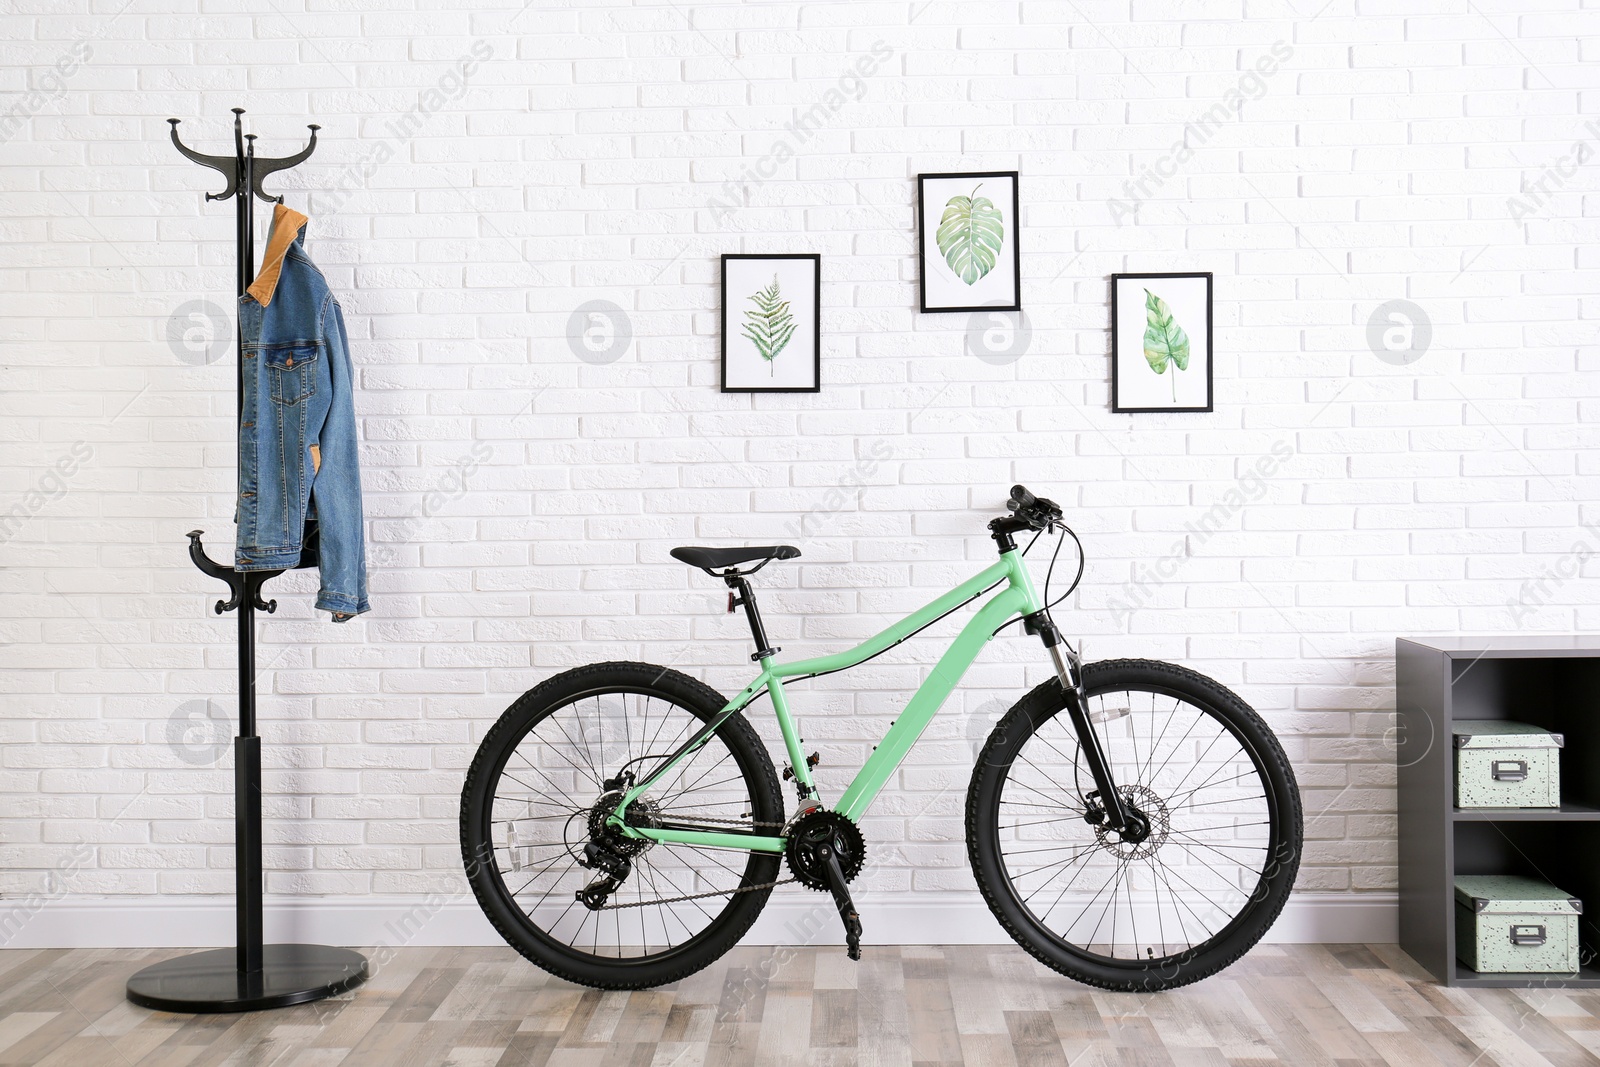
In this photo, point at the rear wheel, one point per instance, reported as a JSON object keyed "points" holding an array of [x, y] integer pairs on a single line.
{"points": [[541, 787], [1185, 894]]}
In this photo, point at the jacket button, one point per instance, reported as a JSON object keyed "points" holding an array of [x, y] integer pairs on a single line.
{"points": [[289, 362]]}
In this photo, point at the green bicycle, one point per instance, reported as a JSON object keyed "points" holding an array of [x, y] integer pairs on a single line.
{"points": [[1132, 824]]}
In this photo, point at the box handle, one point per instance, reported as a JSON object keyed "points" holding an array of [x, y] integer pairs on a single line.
{"points": [[1509, 770], [1527, 936]]}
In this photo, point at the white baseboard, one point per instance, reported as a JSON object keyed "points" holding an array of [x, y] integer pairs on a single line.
{"points": [[792, 917]]}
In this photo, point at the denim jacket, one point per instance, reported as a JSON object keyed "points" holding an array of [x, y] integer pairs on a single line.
{"points": [[297, 432]]}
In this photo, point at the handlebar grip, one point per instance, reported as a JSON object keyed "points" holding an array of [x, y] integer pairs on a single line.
{"points": [[1021, 498]]}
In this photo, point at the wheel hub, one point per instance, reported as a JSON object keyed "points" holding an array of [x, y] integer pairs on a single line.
{"points": [[815, 832], [1148, 825], [642, 812]]}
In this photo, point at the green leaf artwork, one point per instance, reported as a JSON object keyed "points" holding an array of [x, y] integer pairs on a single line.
{"points": [[770, 328], [970, 234], [1164, 340]]}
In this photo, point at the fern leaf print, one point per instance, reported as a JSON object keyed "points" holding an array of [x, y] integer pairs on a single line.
{"points": [[770, 326]]}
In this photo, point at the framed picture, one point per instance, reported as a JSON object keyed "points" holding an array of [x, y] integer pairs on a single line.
{"points": [[772, 323], [1161, 342], [967, 240]]}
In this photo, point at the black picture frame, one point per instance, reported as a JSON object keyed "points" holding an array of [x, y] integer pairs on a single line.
{"points": [[1116, 354], [815, 318], [922, 241]]}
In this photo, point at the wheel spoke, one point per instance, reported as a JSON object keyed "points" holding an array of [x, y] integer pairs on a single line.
{"points": [[1223, 800], [1177, 746], [1221, 766], [1041, 804], [1183, 902], [1147, 776], [542, 794], [593, 777], [1041, 822], [1198, 762], [1086, 854], [667, 800]]}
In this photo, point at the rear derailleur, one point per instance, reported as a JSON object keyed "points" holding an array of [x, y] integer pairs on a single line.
{"points": [[825, 851], [609, 852], [614, 870]]}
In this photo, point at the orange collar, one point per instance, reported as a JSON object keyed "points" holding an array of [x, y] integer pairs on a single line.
{"points": [[286, 223]]}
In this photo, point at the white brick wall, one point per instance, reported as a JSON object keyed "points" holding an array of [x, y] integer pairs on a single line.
{"points": [[522, 501]]}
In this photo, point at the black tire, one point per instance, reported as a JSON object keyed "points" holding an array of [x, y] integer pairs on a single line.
{"points": [[745, 791], [1035, 743]]}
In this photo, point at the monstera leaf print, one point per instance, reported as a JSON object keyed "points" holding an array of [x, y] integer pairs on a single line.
{"points": [[970, 234], [770, 327], [1164, 340]]}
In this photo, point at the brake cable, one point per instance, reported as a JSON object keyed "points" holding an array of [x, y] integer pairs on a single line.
{"points": [[1049, 573], [1082, 561]]}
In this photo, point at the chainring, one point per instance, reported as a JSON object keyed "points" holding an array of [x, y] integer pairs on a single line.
{"points": [[809, 833]]}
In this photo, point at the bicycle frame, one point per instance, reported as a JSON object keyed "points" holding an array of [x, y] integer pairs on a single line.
{"points": [[1018, 598]]}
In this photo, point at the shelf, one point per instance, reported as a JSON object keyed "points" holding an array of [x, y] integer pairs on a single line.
{"points": [[1588, 977], [1550, 647], [1565, 813], [1449, 683]]}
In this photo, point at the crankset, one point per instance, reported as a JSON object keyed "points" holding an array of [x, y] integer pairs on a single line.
{"points": [[825, 851]]}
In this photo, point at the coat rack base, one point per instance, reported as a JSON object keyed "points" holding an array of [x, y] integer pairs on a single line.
{"points": [[210, 982]]}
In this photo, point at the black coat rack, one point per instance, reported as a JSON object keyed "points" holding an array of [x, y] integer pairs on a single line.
{"points": [[252, 975]]}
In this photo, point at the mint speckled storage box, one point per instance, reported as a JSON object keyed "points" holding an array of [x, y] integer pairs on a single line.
{"points": [[1503, 764], [1508, 924]]}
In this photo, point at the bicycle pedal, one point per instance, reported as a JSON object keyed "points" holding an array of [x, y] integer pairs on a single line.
{"points": [[852, 935]]}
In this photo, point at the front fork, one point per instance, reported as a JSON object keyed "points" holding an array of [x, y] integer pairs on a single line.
{"points": [[1069, 670]]}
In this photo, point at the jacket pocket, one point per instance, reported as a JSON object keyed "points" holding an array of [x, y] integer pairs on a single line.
{"points": [[292, 372]]}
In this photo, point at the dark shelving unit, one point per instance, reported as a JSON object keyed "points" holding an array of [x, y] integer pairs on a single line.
{"points": [[1440, 682]]}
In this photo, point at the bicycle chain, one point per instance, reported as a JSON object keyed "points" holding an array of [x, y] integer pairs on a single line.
{"points": [[736, 822], [715, 892], [695, 896]]}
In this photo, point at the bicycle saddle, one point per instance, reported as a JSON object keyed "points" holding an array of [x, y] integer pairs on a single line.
{"points": [[707, 558]]}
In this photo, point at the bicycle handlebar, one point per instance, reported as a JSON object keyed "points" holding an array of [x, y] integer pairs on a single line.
{"points": [[1037, 512]]}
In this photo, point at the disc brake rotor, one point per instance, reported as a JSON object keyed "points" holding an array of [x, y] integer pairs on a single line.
{"points": [[1153, 810]]}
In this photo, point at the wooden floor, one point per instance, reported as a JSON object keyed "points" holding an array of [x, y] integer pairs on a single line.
{"points": [[1293, 1004]]}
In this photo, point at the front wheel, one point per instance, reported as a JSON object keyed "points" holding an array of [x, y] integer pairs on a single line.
{"points": [[1205, 873]]}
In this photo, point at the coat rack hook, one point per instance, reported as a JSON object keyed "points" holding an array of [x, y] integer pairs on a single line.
{"points": [[227, 165], [260, 168]]}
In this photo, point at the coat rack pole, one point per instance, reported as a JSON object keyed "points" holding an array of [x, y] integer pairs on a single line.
{"points": [[252, 975], [249, 934]]}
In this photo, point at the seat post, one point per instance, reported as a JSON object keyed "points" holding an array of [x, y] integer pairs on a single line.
{"points": [[743, 596]]}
